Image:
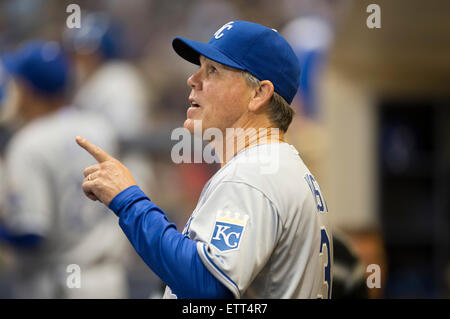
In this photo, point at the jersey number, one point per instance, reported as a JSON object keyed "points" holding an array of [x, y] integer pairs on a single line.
{"points": [[324, 239], [325, 245]]}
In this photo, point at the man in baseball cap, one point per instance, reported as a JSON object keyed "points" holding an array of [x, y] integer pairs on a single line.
{"points": [[253, 234], [267, 62]]}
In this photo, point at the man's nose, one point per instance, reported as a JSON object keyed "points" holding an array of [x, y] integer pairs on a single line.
{"points": [[194, 80]]}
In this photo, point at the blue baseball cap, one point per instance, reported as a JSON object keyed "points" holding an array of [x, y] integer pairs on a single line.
{"points": [[98, 34], [251, 47], [41, 64]]}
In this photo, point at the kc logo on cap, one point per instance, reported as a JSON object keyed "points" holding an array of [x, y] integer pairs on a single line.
{"points": [[227, 26]]}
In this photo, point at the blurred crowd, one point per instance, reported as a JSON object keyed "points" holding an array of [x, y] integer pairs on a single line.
{"points": [[117, 81]]}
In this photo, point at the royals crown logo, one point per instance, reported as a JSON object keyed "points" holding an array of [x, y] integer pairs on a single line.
{"points": [[232, 218], [228, 230]]}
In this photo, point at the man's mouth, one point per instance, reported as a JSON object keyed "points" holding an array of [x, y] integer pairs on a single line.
{"points": [[193, 103], [193, 109]]}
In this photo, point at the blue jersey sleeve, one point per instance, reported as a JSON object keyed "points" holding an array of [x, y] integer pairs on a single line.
{"points": [[170, 254]]}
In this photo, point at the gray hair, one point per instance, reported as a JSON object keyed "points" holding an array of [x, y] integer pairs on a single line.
{"points": [[280, 112]]}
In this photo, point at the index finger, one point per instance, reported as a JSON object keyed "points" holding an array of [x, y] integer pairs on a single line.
{"points": [[99, 154]]}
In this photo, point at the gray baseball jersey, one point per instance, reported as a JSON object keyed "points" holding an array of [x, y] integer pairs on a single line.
{"points": [[44, 168], [262, 227]]}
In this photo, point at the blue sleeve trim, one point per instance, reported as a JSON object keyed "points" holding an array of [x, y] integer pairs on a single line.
{"points": [[126, 198], [171, 255], [228, 282]]}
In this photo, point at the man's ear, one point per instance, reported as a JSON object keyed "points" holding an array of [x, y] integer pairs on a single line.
{"points": [[261, 96]]}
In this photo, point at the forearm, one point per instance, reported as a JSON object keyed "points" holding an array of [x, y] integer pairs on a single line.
{"points": [[171, 255]]}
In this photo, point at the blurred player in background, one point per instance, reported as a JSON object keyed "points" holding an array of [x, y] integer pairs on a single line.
{"points": [[110, 85], [311, 37], [46, 219]]}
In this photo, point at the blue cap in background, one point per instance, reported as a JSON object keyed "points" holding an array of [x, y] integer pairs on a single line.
{"points": [[311, 38], [98, 34], [41, 64], [251, 47]]}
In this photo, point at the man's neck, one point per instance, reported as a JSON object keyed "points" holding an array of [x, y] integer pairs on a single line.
{"points": [[41, 109], [241, 138]]}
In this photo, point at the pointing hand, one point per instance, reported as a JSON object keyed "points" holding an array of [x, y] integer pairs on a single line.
{"points": [[103, 181]]}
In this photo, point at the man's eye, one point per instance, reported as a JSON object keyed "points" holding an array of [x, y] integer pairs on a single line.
{"points": [[212, 69]]}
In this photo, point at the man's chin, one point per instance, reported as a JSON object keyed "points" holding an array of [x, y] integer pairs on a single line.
{"points": [[195, 127], [189, 125]]}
